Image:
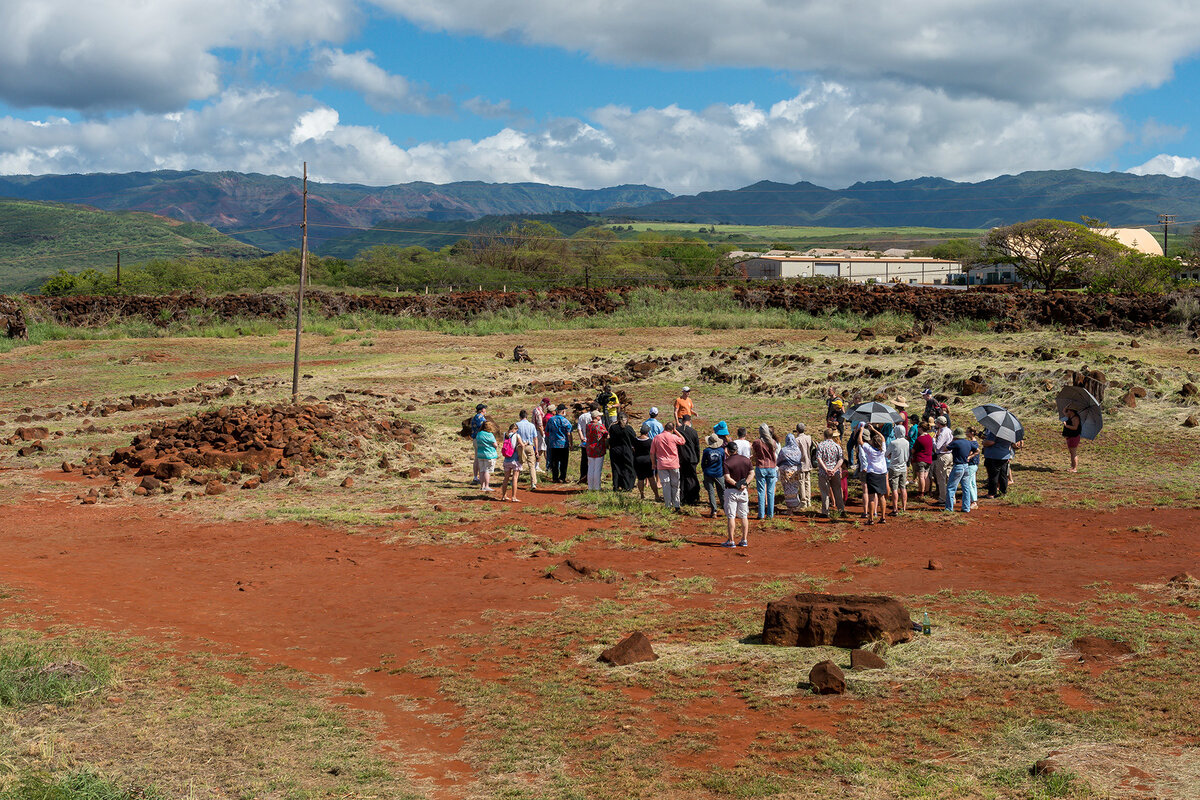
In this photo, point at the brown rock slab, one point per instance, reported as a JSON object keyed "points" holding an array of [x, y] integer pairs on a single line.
{"points": [[1097, 648], [827, 678], [865, 659], [633, 649], [214, 487], [812, 620]]}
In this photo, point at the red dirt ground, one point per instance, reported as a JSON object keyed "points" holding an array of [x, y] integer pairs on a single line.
{"points": [[335, 604]]}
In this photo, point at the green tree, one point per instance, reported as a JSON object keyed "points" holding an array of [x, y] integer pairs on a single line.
{"points": [[1047, 252], [965, 251]]}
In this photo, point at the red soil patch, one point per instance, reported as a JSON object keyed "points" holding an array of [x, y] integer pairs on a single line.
{"points": [[351, 607]]}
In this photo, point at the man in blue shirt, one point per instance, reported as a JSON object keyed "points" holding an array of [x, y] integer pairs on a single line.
{"points": [[960, 451], [996, 455], [558, 443], [529, 444], [653, 424], [477, 422]]}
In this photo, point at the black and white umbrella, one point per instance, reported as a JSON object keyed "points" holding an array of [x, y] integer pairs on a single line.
{"points": [[1081, 400], [999, 422], [875, 414]]}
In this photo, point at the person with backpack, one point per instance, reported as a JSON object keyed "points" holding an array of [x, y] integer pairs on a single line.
{"points": [[476, 425], [712, 464], [513, 450]]}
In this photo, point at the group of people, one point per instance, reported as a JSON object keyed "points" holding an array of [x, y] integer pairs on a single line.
{"points": [[666, 457]]}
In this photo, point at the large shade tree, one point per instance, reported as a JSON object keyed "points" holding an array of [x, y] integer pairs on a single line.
{"points": [[1047, 251]]}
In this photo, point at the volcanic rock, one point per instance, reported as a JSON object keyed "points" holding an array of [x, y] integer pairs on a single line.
{"points": [[1021, 656], [633, 649], [865, 659], [812, 620], [1193, 421], [827, 678]]}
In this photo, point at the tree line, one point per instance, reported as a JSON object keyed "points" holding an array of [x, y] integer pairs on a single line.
{"points": [[1054, 254], [528, 254]]}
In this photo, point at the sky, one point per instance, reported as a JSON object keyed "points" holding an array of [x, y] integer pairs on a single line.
{"points": [[687, 96]]}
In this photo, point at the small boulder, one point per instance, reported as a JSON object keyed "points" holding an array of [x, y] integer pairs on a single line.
{"points": [[1021, 656], [1193, 421], [633, 649], [1045, 767], [214, 487], [827, 678], [348, 483], [150, 483], [865, 659], [934, 565], [1129, 400]]}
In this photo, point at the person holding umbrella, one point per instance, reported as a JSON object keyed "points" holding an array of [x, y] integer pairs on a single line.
{"points": [[1081, 417], [1072, 426], [1003, 433]]}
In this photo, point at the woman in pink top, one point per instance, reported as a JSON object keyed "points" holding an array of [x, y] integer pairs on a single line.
{"points": [[922, 458]]}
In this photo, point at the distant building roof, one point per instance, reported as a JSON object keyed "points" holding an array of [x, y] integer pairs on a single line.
{"points": [[898, 252], [735, 255], [1139, 239]]}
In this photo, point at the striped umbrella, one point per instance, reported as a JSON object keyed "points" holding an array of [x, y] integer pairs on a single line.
{"points": [[999, 422], [874, 414]]}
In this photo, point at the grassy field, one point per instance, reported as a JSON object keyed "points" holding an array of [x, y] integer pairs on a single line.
{"points": [[511, 671], [803, 238]]}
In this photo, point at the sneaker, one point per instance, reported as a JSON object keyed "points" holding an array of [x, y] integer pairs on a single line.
{"points": [[743, 543]]}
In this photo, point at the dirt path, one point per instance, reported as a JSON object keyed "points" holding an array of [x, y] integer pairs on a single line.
{"points": [[342, 605]]}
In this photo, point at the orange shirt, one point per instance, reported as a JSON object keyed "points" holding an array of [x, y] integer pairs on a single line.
{"points": [[683, 405]]}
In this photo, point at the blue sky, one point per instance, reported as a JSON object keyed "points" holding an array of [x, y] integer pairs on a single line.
{"points": [[708, 94]]}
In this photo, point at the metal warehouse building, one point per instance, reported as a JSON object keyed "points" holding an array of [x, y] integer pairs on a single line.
{"points": [[862, 269]]}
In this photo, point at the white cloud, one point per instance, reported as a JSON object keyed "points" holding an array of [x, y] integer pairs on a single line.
{"points": [[1171, 166], [382, 90], [156, 56], [829, 133], [1011, 49]]}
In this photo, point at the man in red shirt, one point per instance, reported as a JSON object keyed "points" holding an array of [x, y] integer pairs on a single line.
{"points": [[664, 452], [737, 494]]}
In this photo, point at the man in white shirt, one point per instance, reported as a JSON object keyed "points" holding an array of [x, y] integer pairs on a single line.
{"points": [[539, 422], [942, 458], [742, 443]]}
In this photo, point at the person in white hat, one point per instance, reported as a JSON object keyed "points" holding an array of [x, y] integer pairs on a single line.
{"points": [[684, 406], [656, 427]]}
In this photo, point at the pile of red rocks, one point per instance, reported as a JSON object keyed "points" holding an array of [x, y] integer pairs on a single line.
{"points": [[255, 443], [1009, 308]]}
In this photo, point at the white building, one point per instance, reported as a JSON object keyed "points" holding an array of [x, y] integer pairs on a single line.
{"points": [[858, 268]]}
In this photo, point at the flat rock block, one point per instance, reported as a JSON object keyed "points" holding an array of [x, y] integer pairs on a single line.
{"points": [[827, 678], [814, 620], [865, 659], [633, 649]]}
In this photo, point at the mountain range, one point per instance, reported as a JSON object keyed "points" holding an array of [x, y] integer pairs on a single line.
{"points": [[243, 205], [1119, 198], [264, 210]]}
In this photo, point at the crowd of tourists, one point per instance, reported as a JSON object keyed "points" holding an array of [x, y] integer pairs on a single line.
{"points": [[892, 457]]}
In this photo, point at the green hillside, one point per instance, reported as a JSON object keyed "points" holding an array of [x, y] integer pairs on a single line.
{"points": [[434, 235], [37, 239]]}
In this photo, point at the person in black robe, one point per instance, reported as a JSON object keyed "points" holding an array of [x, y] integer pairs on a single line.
{"points": [[621, 437], [689, 458]]}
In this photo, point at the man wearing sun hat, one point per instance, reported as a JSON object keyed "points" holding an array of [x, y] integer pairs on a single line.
{"points": [[653, 424], [901, 405], [684, 406]]}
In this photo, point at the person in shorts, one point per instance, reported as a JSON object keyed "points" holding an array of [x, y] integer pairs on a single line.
{"points": [[897, 458], [513, 450], [738, 470], [485, 455]]}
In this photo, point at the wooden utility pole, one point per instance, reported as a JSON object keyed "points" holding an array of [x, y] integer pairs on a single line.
{"points": [[1165, 219], [118, 268], [300, 291]]}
